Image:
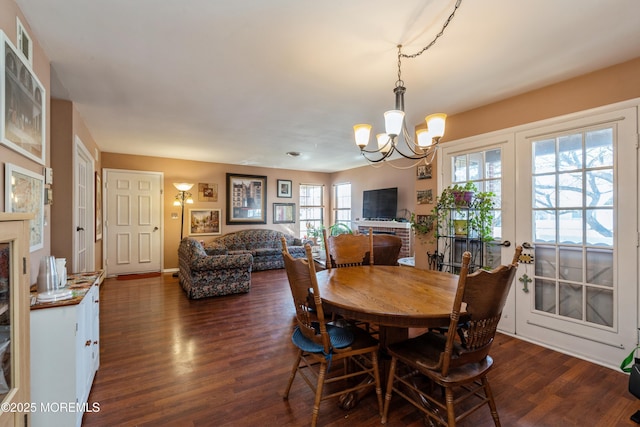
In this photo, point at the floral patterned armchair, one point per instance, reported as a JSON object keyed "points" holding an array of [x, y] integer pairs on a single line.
{"points": [[203, 275]]}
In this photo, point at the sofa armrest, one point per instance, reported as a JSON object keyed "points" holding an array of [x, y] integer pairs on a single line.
{"points": [[221, 262]]}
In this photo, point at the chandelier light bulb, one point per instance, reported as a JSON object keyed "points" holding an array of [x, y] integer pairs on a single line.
{"points": [[435, 124], [384, 142], [393, 122], [424, 137], [362, 132]]}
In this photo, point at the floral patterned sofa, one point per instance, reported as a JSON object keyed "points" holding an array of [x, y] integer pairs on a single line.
{"points": [[203, 275], [263, 244]]}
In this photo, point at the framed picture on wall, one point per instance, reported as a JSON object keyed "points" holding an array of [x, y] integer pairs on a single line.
{"points": [[423, 172], [284, 188], [204, 222], [24, 192], [22, 126], [207, 192], [246, 199], [284, 213], [425, 197]]}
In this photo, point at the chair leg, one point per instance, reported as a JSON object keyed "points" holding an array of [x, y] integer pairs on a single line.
{"points": [[294, 370], [492, 403], [451, 413], [376, 374], [387, 396], [316, 404]]}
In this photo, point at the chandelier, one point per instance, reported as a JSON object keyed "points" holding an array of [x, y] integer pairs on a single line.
{"points": [[423, 147]]}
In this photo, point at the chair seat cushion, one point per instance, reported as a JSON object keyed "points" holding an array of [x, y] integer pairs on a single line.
{"points": [[340, 338]]}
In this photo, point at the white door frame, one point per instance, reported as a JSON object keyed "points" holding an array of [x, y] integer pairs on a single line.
{"points": [[80, 150]]}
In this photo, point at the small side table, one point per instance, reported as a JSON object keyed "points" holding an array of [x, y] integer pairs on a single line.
{"points": [[408, 261]]}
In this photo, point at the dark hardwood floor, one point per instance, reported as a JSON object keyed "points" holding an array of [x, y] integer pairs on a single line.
{"points": [[170, 361]]}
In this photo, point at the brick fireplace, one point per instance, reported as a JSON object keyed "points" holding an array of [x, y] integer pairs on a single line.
{"points": [[400, 229]]}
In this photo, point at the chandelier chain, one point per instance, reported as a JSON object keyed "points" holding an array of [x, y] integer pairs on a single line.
{"points": [[446, 23], [401, 55]]}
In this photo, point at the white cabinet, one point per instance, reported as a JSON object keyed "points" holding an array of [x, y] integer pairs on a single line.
{"points": [[65, 355]]}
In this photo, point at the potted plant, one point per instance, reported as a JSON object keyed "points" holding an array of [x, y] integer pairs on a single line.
{"points": [[422, 225], [461, 209]]}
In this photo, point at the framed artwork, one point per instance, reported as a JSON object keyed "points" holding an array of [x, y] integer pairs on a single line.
{"points": [[284, 213], [24, 192], [425, 197], [207, 192], [98, 194], [204, 222], [424, 172], [22, 126], [246, 199], [284, 188]]}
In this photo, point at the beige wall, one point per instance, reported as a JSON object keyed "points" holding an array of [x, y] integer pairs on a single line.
{"points": [[607, 86], [211, 173], [66, 126], [8, 13]]}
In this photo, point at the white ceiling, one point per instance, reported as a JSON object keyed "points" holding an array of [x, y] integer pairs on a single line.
{"points": [[244, 82]]}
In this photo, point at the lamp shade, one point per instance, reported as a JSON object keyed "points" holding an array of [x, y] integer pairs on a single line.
{"points": [[393, 122], [183, 186], [384, 142], [361, 133], [435, 124], [424, 138]]}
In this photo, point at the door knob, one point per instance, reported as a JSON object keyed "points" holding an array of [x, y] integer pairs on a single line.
{"points": [[527, 245], [79, 228], [155, 228], [506, 244]]}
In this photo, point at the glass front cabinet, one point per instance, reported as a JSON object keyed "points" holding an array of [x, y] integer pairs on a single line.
{"points": [[15, 408]]}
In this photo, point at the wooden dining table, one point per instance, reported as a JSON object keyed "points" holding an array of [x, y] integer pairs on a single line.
{"points": [[395, 298]]}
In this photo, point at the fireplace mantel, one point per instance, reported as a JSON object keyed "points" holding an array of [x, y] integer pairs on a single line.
{"points": [[400, 229]]}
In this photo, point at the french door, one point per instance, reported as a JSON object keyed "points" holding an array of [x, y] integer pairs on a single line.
{"points": [[569, 195]]}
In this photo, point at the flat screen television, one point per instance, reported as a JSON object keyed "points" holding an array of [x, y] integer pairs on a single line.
{"points": [[380, 204]]}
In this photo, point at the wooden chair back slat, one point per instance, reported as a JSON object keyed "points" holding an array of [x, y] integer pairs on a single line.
{"points": [[348, 250]]}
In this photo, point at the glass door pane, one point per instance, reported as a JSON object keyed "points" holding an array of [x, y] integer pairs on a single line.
{"points": [[5, 320], [573, 202]]}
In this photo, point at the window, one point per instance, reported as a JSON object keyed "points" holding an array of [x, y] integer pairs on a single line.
{"points": [[484, 169], [342, 203], [24, 42], [311, 208]]}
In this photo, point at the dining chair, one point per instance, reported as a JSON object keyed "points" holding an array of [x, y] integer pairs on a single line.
{"points": [[327, 354], [348, 250], [458, 363]]}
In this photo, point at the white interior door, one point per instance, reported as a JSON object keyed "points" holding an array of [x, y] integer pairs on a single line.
{"points": [[134, 221], [83, 197], [568, 190]]}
